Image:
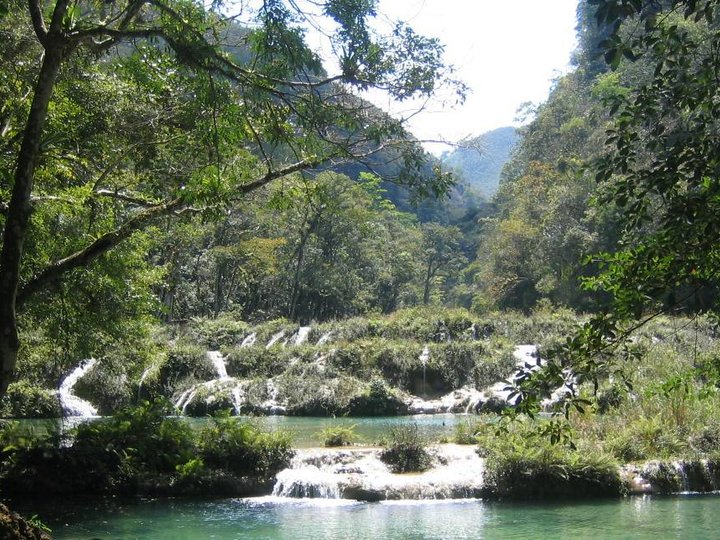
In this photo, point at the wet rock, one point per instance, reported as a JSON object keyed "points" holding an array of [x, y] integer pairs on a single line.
{"points": [[14, 527]]}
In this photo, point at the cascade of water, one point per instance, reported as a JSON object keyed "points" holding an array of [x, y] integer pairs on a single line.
{"points": [[302, 335], [237, 394], [325, 338], [273, 340], [144, 376], [70, 403], [249, 340], [458, 401], [682, 476], [424, 357], [359, 474], [185, 398], [218, 361]]}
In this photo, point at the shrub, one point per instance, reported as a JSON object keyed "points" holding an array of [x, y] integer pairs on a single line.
{"points": [[220, 332], [468, 432], [144, 437], [379, 400], [243, 448], [256, 361], [406, 451], [24, 400], [523, 464], [338, 436], [185, 362]]}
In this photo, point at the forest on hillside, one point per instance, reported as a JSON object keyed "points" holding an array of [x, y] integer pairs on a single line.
{"points": [[336, 211], [203, 218]]}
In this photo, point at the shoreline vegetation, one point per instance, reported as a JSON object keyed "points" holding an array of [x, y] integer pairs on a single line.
{"points": [[655, 434]]}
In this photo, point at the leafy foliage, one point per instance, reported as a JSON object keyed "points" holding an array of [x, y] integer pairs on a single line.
{"points": [[405, 451], [338, 435]]}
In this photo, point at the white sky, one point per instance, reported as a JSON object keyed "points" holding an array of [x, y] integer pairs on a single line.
{"points": [[507, 51]]}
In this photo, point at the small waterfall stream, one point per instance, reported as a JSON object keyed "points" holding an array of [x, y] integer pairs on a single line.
{"points": [[70, 403], [249, 340], [359, 474], [218, 361], [302, 335], [424, 357]]}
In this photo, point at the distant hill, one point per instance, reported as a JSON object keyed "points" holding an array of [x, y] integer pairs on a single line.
{"points": [[478, 161]]}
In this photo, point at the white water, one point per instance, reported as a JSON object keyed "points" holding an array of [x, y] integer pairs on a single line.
{"points": [[249, 340], [525, 359], [218, 362], [273, 340], [302, 335], [459, 400], [466, 399], [359, 474], [70, 403], [325, 338], [424, 357]]}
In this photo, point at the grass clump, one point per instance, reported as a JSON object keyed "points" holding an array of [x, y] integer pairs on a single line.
{"points": [[335, 436], [522, 463], [406, 450]]}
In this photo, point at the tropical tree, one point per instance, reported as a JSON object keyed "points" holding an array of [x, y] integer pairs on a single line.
{"points": [[134, 110], [660, 168]]}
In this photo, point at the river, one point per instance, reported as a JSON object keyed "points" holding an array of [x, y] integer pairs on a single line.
{"points": [[686, 516]]}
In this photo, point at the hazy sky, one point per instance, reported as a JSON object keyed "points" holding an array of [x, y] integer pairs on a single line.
{"points": [[507, 51]]}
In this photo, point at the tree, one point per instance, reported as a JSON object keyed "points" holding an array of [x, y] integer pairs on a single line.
{"points": [[661, 169], [441, 254], [249, 118]]}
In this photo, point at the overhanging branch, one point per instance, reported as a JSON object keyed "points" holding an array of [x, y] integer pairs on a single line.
{"points": [[101, 245]]}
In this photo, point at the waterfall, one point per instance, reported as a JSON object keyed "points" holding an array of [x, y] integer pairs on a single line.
{"points": [[237, 393], [249, 340], [185, 398], [424, 357], [682, 476], [360, 474], [458, 401], [70, 403], [302, 335], [218, 361], [273, 340], [325, 338], [144, 376]]}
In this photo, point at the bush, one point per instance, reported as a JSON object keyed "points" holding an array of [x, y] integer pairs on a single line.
{"points": [[379, 400], [256, 361], [523, 464], [468, 432], [185, 362], [338, 436], [242, 448], [144, 437], [406, 451], [223, 331], [24, 400]]}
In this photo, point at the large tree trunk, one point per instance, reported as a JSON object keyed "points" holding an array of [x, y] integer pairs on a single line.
{"points": [[18, 213]]}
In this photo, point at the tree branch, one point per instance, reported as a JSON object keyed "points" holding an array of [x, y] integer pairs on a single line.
{"points": [[101, 245], [279, 173], [37, 21]]}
